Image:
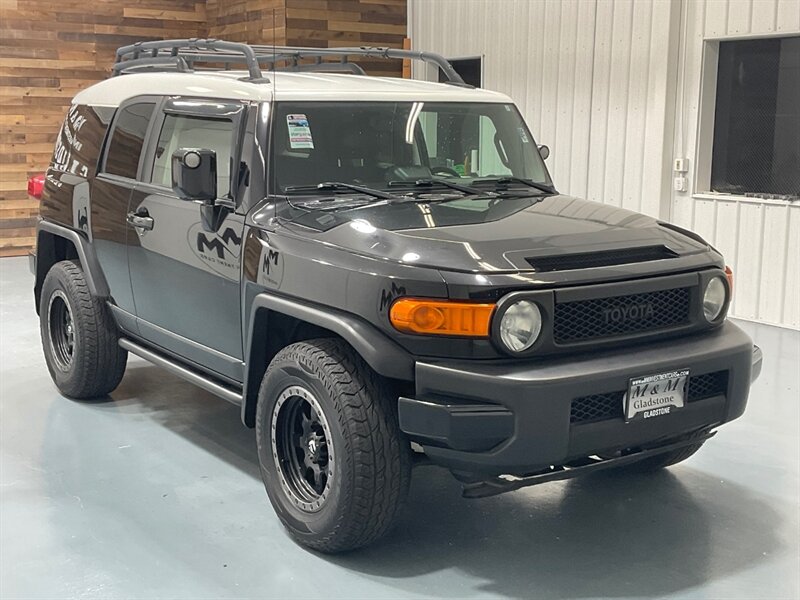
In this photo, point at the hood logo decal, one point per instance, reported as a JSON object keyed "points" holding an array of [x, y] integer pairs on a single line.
{"points": [[390, 295], [270, 271], [270, 260]]}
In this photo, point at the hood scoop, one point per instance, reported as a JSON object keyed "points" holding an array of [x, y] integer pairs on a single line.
{"points": [[601, 258]]}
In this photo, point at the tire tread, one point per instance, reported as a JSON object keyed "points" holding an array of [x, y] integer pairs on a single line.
{"points": [[101, 362], [375, 451]]}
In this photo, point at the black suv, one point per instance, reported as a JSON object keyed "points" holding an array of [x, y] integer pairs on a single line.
{"points": [[380, 272]]}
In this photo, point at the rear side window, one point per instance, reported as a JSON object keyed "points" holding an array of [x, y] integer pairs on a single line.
{"points": [[81, 137], [180, 131], [127, 139]]}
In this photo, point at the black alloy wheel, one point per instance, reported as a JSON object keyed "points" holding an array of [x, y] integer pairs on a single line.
{"points": [[301, 446], [62, 331]]}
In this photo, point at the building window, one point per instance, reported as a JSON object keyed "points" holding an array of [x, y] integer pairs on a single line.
{"points": [[469, 69], [756, 148]]}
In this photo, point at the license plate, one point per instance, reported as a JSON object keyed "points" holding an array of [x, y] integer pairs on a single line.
{"points": [[655, 395]]}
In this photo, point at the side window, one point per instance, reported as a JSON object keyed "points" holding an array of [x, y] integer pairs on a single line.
{"points": [[127, 139], [78, 144], [469, 144], [181, 131], [490, 158]]}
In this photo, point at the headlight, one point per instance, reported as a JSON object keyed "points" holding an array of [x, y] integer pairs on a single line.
{"points": [[714, 299], [520, 325]]}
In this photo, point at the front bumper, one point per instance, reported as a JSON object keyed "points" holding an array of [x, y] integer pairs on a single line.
{"points": [[514, 418]]}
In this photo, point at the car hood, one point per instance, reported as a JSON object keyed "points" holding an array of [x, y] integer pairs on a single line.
{"points": [[490, 235]]}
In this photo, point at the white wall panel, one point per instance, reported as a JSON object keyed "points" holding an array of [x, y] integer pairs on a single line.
{"points": [[576, 68], [755, 236], [613, 87]]}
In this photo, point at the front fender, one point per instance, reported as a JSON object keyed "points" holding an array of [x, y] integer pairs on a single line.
{"points": [[383, 355]]}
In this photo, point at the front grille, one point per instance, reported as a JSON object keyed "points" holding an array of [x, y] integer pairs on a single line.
{"points": [[588, 260], [620, 315], [601, 407]]}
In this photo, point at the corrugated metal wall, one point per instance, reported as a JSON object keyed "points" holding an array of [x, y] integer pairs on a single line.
{"points": [[612, 86], [590, 78], [759, 238]]}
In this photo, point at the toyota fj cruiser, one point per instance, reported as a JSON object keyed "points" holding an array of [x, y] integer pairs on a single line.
{"points": [[380, 272]]}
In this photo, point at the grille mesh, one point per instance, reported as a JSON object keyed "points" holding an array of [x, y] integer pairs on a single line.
{"points": [[597, 407], [620, 315], [705, 386], [600, 407]]}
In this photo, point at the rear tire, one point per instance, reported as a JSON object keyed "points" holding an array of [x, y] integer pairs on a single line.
{"points": [[79, 337], [334, 462]]}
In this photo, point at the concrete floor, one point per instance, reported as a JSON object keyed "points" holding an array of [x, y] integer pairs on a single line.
{"points": [[155, 492]]}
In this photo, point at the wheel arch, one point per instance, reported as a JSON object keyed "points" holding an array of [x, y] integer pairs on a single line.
{"points": [[55, 243], [276, 321]]}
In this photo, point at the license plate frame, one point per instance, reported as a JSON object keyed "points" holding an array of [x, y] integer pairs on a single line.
{"points": [[655, 395]]}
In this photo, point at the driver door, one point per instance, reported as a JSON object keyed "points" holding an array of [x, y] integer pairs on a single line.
{"points": [[185, 280]]}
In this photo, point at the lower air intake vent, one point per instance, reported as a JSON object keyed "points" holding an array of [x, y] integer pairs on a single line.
{"points": [[588, 260], [600, 407]]}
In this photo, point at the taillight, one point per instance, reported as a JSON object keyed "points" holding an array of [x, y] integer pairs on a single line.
{"points": [[729, 275], [36, 186]]}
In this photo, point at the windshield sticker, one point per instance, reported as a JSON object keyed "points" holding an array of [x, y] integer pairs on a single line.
{"points": [[299, 132], [522, 135]]}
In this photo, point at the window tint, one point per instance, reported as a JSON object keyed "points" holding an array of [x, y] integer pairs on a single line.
{"points": [[757, 119], [127, 139], [78, 144], [378, 143], [194, 132]]}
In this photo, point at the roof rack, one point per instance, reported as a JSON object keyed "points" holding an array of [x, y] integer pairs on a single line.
{"points": [[181, 55]]}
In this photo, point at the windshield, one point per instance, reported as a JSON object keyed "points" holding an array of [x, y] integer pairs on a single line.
{"points": [[378, 144]]}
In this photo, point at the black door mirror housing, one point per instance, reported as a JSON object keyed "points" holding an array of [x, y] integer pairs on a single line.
{"points": [[544, 151], [194, 174]]}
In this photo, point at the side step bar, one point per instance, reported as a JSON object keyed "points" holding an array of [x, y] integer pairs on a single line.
{"points": [[182, 371]]}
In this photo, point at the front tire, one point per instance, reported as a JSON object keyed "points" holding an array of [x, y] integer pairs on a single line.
{"points": [[335, 464], [79, 336]]}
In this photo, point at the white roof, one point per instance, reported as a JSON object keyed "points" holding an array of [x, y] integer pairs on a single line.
{"points": [[284, 85]]}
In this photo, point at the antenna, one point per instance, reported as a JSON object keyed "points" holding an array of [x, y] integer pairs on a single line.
{"points": [[273, 125]]}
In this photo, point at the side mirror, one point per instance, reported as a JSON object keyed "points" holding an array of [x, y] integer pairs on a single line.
{"points": [[544, 151], [194, 174]]}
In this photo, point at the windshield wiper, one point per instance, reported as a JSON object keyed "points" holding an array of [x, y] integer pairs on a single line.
{"points": [[337, 186], [507, 180], [429, 183]]}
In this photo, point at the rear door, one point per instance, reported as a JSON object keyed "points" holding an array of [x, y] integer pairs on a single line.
{"points": [[186, 281], [110, 194]]}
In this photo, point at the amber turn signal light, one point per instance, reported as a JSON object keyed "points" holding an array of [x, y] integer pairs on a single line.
{"points": [[729, 275], [441, 317]]}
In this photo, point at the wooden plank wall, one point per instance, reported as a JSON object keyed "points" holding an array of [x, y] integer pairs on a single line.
{"points": [[252, 21], [50, 49], [340, 23]]}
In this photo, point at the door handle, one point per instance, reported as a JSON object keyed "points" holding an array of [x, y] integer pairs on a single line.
{"points": [[141, 220]]}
